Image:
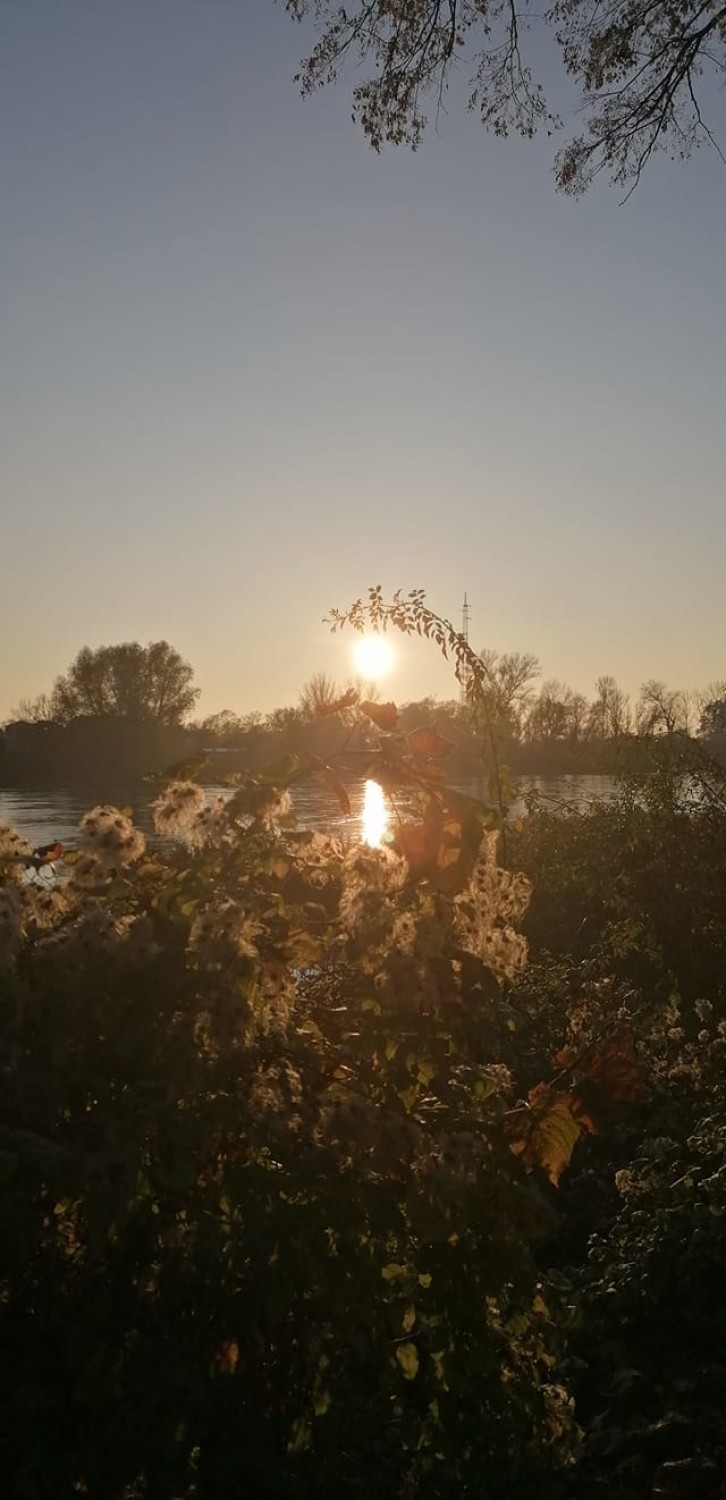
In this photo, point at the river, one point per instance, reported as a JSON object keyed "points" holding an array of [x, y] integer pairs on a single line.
{"points": [[43, 815]]}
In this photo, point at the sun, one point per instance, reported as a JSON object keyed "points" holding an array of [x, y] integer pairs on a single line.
{"points": [[374, 656]]}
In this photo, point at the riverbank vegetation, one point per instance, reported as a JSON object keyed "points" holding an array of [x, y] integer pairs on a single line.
{"points": [[334, 1168], [128, 708]]}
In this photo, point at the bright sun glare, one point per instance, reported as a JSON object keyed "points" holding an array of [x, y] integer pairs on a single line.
{"points": [[374, 656], [374, 816]]}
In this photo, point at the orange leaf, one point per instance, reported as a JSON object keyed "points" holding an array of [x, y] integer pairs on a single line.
{"points": [[429, 744], [545, 1136], [383, 715], [227, 1357], [565, 1058]]}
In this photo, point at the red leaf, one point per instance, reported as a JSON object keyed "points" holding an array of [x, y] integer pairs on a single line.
{"points": [[612, 1076]]}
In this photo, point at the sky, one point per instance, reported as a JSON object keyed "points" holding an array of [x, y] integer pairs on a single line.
{"points": [[251, 368]]}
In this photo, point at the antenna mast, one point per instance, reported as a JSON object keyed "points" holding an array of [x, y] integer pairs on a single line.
{"points": [[464, 684]]}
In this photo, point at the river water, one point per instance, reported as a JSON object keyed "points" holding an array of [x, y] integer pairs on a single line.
{"points": [[43, 815]]}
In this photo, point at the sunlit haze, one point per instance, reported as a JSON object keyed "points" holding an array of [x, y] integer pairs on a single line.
{"points": [[251, 368], [374, 657]]}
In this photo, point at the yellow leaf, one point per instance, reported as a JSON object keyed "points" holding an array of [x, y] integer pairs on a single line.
{"points": [[425, 1279], [540, 1306], [394, 1272], [544, 1137], [409, 1318], [426, 1071], [407, 1357], [322, 1403]]}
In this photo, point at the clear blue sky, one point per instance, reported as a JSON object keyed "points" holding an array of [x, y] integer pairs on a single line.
{"points": [[250, 368]]}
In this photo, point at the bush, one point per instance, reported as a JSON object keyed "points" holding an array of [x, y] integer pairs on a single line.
{"points": [[262, 1225]]}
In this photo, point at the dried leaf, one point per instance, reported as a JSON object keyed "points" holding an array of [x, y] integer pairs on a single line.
{"points": [[612, 1076], [407, 1357], [545, 1136], [383, 715]]}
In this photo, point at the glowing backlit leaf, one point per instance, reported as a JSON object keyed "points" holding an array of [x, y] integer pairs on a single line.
{"points": [[545, 1136]]}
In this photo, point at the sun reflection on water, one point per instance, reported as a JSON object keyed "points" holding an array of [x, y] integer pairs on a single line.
{"points": [[374, 816]]}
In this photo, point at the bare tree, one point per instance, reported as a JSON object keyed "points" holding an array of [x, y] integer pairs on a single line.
{"points": [[610, 714], [662, 710], [510, 679], [317, 694], [548, 718], [34, 710], [578, 713]]}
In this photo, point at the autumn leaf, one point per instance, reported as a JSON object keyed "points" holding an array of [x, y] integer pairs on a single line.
{"points": [[383, 715], [543, 1133], [612, 1075], [227, 1357], [407, 1357], [429, 744], [394, 1272]]}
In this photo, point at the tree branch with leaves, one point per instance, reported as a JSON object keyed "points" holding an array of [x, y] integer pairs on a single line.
{"points": [[640, 69]]}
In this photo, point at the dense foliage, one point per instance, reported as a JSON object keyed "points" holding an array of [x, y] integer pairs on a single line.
{"points": [[126, 681], [314, 1182]]}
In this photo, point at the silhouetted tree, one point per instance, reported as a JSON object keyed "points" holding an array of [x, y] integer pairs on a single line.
{"points": [[319, 693], [34, 710], [639, 69], [662, 710], [548, 717], [610, 714], [129, 681], [509, 690]]}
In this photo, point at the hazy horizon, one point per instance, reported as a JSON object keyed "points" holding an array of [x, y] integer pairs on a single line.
{"points": [[253, 369]]}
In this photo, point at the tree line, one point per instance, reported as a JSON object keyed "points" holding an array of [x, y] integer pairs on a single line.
{"points": [[154, 684]]}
